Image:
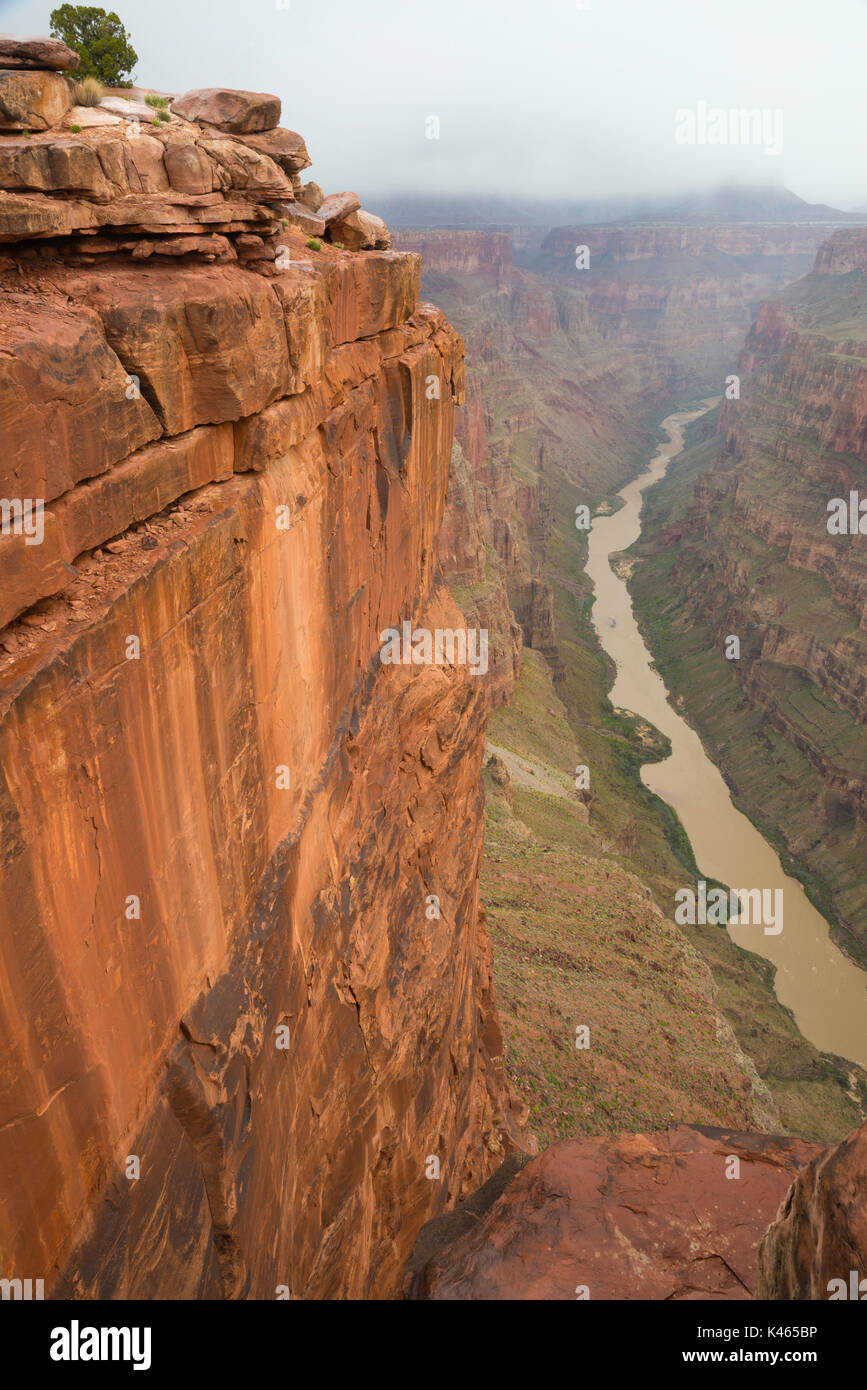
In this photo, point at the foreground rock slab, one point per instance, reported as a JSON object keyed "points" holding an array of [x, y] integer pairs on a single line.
{"points": [[676, 1215]]}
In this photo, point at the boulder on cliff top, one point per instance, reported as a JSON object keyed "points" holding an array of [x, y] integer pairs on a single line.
{"points": [[637, 1216], [37, 53], [32, 100], [360, 231], [231, 110], [338, 205]]}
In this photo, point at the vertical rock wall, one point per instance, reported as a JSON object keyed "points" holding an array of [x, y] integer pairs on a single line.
{"points": [[235, 1034]]}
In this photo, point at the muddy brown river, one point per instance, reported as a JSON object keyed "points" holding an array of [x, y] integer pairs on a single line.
{"points": [[826, 992]]}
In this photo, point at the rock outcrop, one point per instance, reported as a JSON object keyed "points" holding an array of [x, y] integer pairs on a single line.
{"points": [[233, 111], [50, 54], [31, 100], [249, 1033], [817, 1247], [676, 1215]]}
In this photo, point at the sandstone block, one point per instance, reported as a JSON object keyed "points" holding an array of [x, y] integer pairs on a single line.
{"points": [[285, 147], [299, 216], [189, 169], [820, 1232], [37, 53], [67, 410], [245, 168], [34, 215], [367, 294], [208, 344], [128, 109], [141, 486], [229, 109], [301, 296], [29, 572], [33, 100], [65, 165], [338, 205], [311, 195], [90, 117], [144, 167], [262, 438], [360, 231]]}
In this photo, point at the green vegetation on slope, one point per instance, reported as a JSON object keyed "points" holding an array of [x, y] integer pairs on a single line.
{"points": [[541, 856]]}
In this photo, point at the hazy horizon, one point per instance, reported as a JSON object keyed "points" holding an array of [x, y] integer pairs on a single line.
{"points": [[554, 102]]}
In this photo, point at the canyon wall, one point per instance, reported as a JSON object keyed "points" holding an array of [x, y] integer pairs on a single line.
{"points": [[680, 297], [566, 1221], [545, 394], [746, 548], [562, 401], [245, 992]]}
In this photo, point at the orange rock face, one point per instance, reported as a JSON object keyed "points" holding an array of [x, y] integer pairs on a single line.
{"points": [[819, 1239], [249, 1038], [676, 1215], [32, 100]]}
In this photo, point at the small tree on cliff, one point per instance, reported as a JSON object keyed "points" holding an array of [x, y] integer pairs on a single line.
{"points": [[100, 39]]}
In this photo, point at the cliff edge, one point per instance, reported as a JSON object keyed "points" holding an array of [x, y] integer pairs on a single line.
{"points": [[248, 1029]]}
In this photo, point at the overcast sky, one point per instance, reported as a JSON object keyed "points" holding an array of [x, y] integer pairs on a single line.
{"points": [[539, 98]]}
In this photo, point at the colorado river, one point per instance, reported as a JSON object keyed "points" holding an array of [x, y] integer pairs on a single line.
{"points": [[825, 991]]}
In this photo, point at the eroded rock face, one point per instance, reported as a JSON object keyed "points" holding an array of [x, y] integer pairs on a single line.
{"points": [[819, 1238], [658, 1216], [206, 343], [285, 147], [64, 402], [123, 174], [32, 100], [239, 895]]}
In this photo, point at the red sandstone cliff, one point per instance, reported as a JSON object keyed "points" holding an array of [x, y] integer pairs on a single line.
{"points": [[223, 818]]}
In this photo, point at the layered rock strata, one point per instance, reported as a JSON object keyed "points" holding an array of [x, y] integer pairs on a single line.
{"points": [[679, 298]]}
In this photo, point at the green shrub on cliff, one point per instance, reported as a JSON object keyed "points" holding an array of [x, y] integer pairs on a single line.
{"points": [[100, 40]]}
